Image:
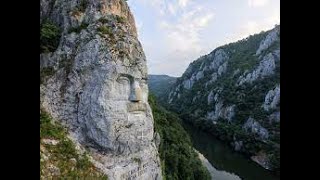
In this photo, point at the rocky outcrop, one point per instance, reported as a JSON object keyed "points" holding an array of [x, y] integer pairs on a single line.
{"points": [[219, 58], [272, 99], [262, 159], [98, 88], [238, 145], [266, 68], [274, 117], [254, 127], [216, 67], [272, 37], [221, 112], [188, 83]]}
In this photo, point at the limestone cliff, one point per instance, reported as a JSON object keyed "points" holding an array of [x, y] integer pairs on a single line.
{"points": [[93, 80], [235, 89]]}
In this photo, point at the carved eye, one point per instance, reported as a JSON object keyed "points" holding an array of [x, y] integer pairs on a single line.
{"points": [[123, 79], [144, 80]]}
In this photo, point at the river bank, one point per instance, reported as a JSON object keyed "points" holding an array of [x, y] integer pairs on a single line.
{"points": [[216, 174], [223, 159]]}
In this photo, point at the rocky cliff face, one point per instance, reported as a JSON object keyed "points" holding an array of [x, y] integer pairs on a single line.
{"points": [[235, 86], [93, 80]]}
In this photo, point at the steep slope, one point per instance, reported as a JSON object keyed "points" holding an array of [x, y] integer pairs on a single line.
{"points": [[234, 92], [93, 81], [59, 158], [160, 85], [178, 158]]}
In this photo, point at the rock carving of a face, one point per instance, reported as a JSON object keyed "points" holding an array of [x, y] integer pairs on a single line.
{"points": [[120, 119]]}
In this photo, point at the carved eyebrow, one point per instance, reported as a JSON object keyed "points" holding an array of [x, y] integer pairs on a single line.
{"points": [[127, 76]]}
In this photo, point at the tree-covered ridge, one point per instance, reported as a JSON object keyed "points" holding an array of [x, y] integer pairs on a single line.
{"points": [[159, 85], [234, 92], [178, 158]]}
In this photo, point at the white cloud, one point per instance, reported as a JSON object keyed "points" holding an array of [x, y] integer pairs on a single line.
{"points": [[183, 3], [173, 64], [172, 9], [183, 30], [257, 3], [183, 34], [274, 18], [182, 39], [253, 27], [181, 22]]}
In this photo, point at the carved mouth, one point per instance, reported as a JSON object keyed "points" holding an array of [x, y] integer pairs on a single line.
{"points": [[136, 107]]}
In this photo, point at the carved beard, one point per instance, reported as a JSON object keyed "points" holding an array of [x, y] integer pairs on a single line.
{"points": [[136, 107], [130, 125]]}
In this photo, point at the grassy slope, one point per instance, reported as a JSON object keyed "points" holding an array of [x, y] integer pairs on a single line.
{"points": [[62, 161]]}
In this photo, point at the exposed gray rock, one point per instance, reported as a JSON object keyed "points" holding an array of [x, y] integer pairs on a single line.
{"points": [[99, 89], [222, 68], [210, 97], [276, 53], [262, 159], [50, 141], [265, 68], [274, 117], [199, 75], [73, 161], [55, 171], [236, 72], [194, 99], [214, 115], [238, 145], [220, 57], [221, 112], [229, 112], [157, 139], [44, 157], [272, 99], [214, 77], [187, 84], [269, 40], [253, 126], [216, 97], [202, 66]]}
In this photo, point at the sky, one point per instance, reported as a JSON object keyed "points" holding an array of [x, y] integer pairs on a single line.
{"points": [[173, 33]]}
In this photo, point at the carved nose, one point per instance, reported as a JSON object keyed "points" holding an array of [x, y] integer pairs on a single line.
{"points": [[136, 95]]}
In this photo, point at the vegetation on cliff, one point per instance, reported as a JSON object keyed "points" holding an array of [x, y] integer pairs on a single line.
{"points": [[178, 158], [233, 89], [58, 155]]}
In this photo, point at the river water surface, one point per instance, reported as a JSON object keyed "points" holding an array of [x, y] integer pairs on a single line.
{"points": [[227, 164]]}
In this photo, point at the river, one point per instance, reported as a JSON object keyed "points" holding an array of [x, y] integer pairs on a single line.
{"points": [[227, 164]]}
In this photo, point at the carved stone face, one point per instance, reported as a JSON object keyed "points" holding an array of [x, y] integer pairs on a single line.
{"points": [[119, 117]]}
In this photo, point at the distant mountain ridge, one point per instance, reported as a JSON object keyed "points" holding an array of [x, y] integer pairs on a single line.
{"points": [[160, 85]]}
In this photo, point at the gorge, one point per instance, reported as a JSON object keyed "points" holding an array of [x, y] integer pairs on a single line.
{"points": [[103, 116], [234, 94]]}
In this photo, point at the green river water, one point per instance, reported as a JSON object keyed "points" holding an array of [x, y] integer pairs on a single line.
{"points": [[228, 164]]}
